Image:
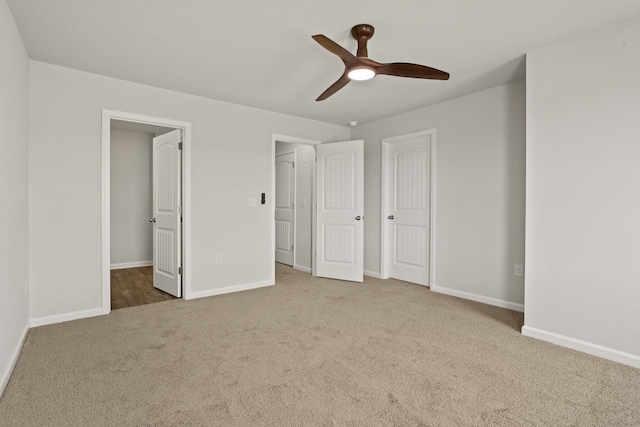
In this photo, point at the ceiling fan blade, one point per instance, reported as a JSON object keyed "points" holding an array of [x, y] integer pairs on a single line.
{"points": [[404, 69], [339, 84], [335, 48]]}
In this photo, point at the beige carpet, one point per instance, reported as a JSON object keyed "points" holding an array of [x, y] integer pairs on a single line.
{"points": [[312, 352]]}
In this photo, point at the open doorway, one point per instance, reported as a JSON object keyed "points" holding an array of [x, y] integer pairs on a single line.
{"points": [[294, 170], [145, 215], [132, 255], [336, 205], [294, 165]]}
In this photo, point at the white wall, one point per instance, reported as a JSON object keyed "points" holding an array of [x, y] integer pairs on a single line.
{"points": [[131, 231], [480, 159], [231, 162], [304, 160], [583, 187], [14, 227]]}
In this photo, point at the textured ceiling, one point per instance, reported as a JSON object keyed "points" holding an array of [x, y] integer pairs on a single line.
{"points": [[260, 53]]}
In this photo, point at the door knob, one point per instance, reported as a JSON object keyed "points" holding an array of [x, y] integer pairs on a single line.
{"points": [[390, 217], [152, 220], [358, 218]]}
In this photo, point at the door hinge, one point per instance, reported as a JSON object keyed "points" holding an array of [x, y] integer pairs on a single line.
{"points": [[180, 209], [179, 270], [179, 145], [291, 248], [293, 164]]}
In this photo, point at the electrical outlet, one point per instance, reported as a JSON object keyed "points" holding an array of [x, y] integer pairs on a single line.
{"points": [[218, 259], [518, 270]]}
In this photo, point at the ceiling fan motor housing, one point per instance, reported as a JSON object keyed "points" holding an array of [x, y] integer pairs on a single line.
{"points": [[362, 33]]}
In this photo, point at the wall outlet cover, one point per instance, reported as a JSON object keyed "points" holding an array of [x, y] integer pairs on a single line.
{"points": [[518, 270]]}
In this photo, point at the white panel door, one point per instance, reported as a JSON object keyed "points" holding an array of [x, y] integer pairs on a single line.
{"points": [[166, 213], [408, 211], [340, 207], [285, 208]]}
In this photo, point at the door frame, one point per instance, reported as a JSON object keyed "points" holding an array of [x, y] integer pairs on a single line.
{"points": [[107, 116], [272, 244], [384, 225]]}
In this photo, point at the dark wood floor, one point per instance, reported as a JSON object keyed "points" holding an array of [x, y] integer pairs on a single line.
{"points": [[134, 286]]}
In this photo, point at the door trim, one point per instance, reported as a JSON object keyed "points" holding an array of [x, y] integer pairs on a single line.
{"points": [[107, 116], [384, 225], [272, 243]]}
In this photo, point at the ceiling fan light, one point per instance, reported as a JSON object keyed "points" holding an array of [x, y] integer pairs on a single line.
{"points": [[361, 73]]}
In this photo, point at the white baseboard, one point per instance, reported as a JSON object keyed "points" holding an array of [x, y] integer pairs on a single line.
{"points": [[371, 274], [65, 317], [230, 289], [135, 264], [479, 298], [301, 268], [4, 380], [583, 346]]}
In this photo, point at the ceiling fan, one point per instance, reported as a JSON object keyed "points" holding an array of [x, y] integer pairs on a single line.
{"points": [[360, 67]]}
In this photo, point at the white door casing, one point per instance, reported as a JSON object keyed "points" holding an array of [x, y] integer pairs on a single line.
{"points": [[185, 178], [285, 208], [406, 215], [339, 210], [166, 213]]}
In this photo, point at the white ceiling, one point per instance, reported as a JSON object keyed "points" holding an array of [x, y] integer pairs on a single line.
{"points": [[260, 53]]}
